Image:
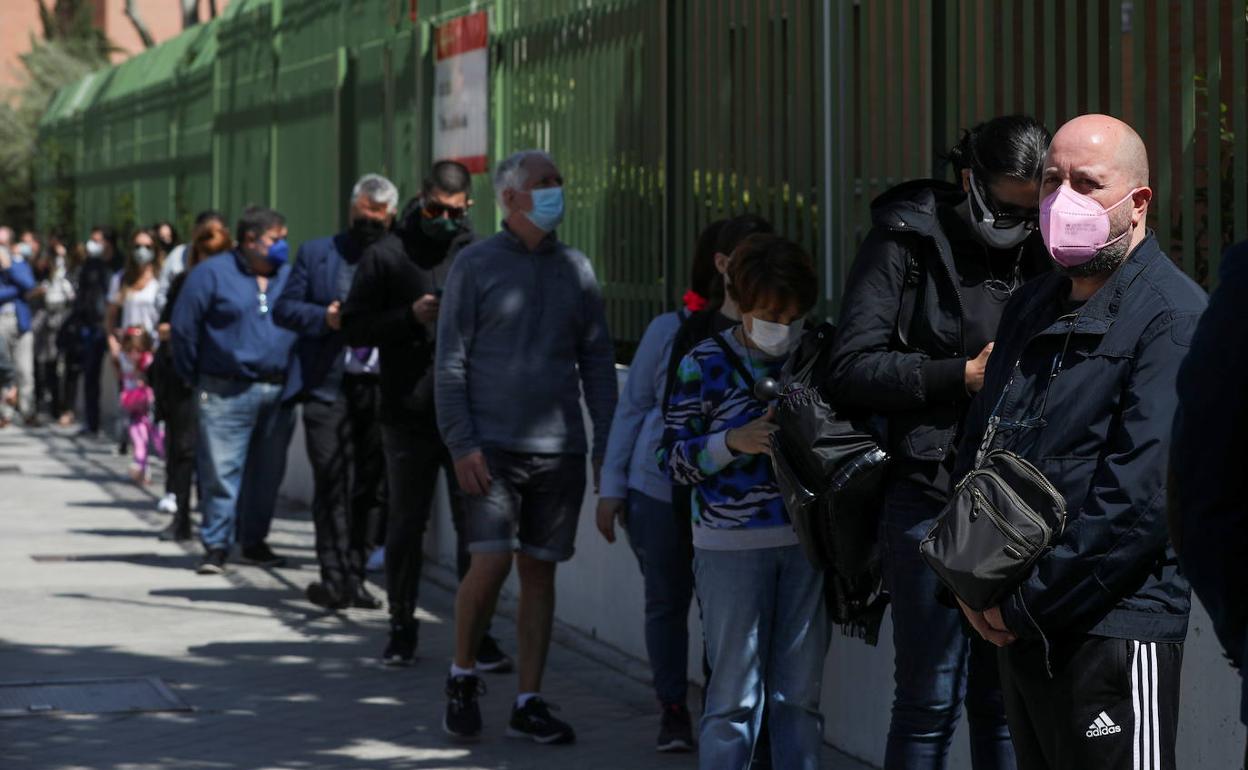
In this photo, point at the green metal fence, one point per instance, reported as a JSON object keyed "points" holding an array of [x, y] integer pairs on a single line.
{"points": [[665, 114], [912, 73]]}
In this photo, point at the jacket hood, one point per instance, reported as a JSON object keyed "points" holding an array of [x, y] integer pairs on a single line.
{"points": [[913, 205]]}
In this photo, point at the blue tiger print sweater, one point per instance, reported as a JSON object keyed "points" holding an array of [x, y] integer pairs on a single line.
{"points": [[736, 503]]}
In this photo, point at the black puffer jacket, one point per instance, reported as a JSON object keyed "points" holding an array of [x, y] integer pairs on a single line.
{"points": [[394, 272], [913, 377]]}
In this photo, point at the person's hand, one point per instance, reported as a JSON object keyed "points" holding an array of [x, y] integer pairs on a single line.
{"points": [[473, 474], [974, 374], [333, 315], [9, 396], [753, 438], [989, 624], [164, 332], [114, 346], [609, 509], [426, 309], [36, 293], [6, 260]]}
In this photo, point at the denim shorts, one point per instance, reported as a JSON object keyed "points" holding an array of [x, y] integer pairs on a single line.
{"points": [[533, 505]]}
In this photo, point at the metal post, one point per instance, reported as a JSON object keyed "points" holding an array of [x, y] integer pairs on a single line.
{"points": [[833, 146]]}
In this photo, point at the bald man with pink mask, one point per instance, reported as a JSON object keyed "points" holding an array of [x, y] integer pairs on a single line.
{"points": [[1081, 383]]}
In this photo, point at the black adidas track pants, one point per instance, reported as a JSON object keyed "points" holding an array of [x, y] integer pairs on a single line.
{"points": [[1112, 704]]}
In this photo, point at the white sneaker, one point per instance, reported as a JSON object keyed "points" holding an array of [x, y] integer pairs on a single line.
{"points": [[376, 560], [168, 504]]}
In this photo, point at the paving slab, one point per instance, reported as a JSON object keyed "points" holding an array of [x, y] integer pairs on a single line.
{"points": [[88, 592]]}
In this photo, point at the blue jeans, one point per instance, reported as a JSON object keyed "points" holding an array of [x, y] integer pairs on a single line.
{"points": [[663, 555], [766, 632], [937, 665], [244, 429]]}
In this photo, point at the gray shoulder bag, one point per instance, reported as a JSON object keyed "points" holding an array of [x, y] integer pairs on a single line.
{"points": [[1003, 516]]}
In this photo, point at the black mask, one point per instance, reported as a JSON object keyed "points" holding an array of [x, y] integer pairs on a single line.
{"points": [[367, 231], [166, 246]]}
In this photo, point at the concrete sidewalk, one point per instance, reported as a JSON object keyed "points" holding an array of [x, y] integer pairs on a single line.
{"points": [[87, 592]]}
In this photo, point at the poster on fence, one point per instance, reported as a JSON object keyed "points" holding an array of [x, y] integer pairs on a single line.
{"points": [[461, 107]]}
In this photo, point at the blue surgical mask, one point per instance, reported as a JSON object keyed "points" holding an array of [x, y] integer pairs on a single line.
{"points": [[279, 253], [547, 210]]}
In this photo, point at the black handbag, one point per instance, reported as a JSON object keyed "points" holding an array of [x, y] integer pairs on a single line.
{"points": [[830, 471], [1003, 516], [829, 467]]}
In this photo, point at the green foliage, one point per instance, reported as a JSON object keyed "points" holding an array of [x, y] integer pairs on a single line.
{"points": [[71, 48]]}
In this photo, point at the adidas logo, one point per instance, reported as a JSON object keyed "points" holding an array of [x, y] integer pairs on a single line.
{"points": [[1102, 726]]}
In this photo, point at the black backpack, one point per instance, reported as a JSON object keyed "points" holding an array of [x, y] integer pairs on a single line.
{"points": [[831, 470]]}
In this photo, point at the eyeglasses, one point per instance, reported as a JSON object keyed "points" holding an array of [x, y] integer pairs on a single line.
{"points": [[264, 302], [434, 210], [996, 423]]}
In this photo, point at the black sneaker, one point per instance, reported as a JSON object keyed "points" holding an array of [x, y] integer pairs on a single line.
{"points": [[402, 645], [535, 723], [327, 596], [490, 658], [261, 555], [463, 714], [177, 531], [213, 563], [675, 730]]}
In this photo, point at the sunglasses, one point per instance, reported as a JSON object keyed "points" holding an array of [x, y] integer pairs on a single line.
{"points": [[434, 210], [1006, 218]]}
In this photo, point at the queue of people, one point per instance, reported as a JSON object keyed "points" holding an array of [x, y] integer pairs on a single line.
{"points": [[1022, 306]]}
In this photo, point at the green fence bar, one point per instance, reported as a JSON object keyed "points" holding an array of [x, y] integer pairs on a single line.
{"points": [[1213, 138], [1187, 136]]}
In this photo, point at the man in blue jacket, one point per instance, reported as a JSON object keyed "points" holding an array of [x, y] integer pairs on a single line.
{"points": [[1208, 486], [1081, 383], [16, 281], [228, 348], [339, 389]]}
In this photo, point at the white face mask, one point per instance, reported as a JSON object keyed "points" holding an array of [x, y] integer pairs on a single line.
{"points": [[985, 223], [95, 249], [774, 339]]}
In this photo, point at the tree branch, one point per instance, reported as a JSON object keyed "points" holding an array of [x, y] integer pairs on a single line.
{"points": [[139, 26]]}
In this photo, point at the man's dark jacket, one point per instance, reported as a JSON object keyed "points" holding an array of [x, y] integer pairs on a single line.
{"points": [[394, 272], [1103, 441], [310, 289], [918, 383], [1209, 461]]}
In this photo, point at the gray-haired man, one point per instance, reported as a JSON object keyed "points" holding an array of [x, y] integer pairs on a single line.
{"points": [[338, 386], [522, 332]]}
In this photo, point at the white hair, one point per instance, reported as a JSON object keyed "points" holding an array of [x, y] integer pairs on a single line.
{"points": [[512, 173], [379, 190]]}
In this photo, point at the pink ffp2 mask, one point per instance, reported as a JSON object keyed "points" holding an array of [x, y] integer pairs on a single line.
{"points": [[1075, 227]]}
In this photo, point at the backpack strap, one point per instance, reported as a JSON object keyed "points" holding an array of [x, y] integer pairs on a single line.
{"points": [[909, 298], [688, 334], [736, 361]]}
